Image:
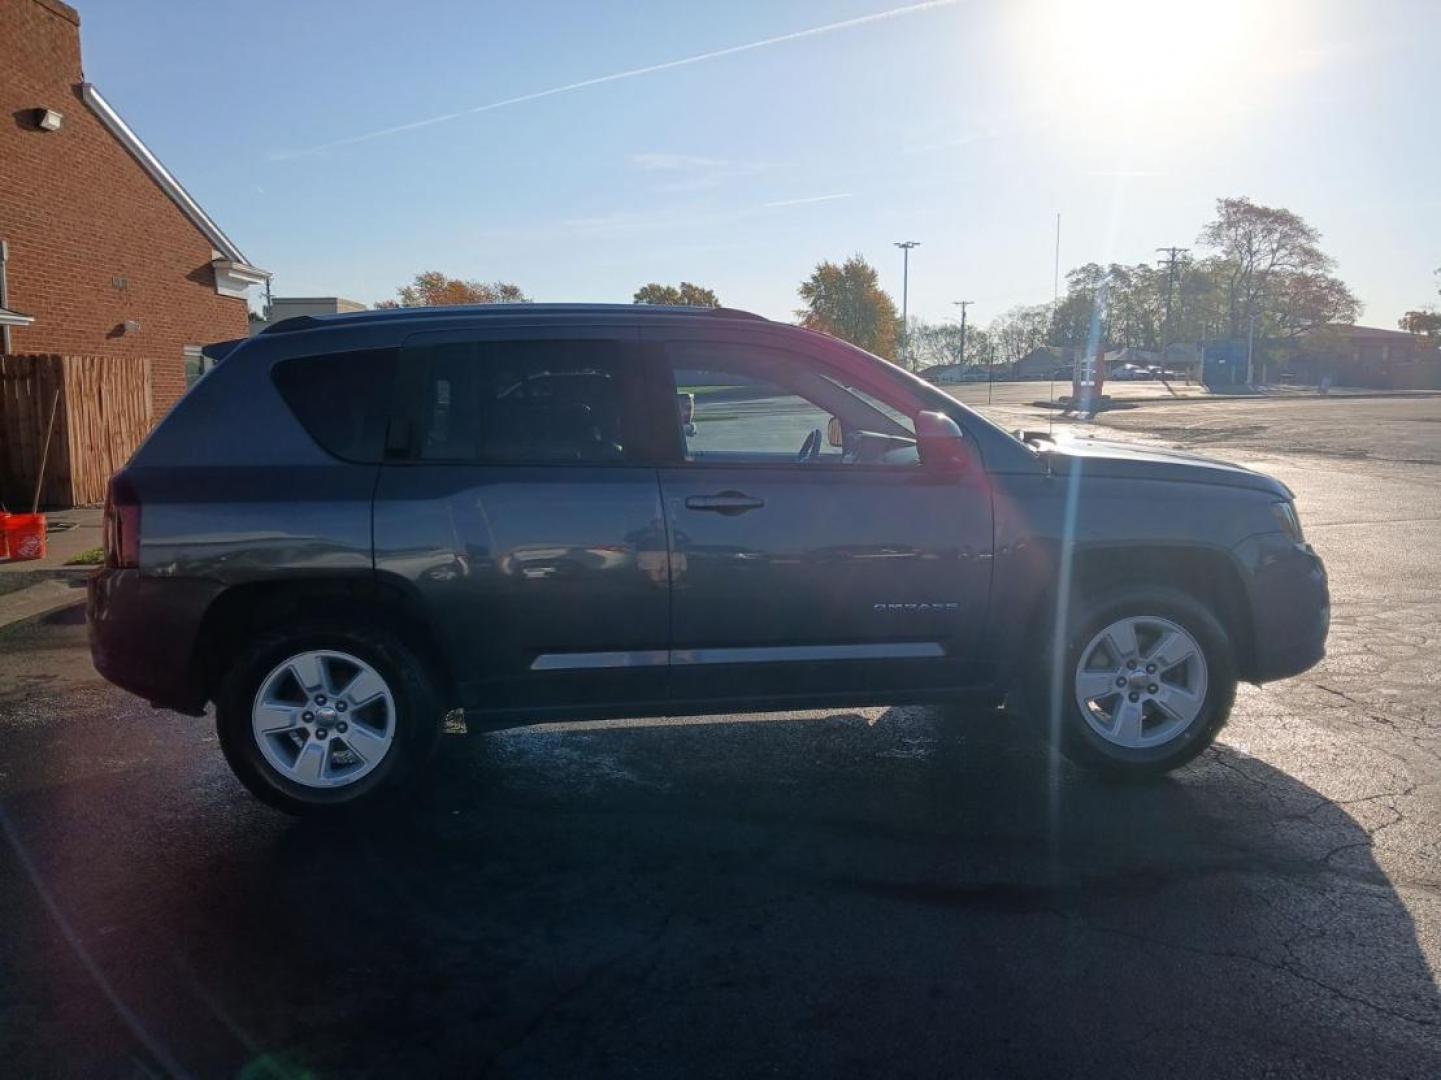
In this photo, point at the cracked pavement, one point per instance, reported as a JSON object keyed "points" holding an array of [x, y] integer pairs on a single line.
{"points": [[911, 891]]}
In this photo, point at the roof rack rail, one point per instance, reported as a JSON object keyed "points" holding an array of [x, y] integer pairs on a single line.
{"points": [[295, 322], [347, 318], [738, 313]]}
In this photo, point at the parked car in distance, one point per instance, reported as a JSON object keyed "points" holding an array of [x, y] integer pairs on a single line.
{"points": [[356, 523]]}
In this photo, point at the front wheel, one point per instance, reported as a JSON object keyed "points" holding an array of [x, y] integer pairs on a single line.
{"points": [[1142, 682], [322, 717]]}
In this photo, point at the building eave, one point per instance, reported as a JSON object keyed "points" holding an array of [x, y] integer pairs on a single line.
{"points": [[224, 246], [234, 278]]}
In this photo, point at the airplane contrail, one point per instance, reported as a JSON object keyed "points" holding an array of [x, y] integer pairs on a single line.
{"points": [[651, 69], [809, 199]]}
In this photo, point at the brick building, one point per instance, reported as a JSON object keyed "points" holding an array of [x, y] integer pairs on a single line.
{"points": [[105, 253], [1364, 356]]}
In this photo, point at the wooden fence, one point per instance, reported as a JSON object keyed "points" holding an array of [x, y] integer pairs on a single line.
{"points": [[102, 410]]}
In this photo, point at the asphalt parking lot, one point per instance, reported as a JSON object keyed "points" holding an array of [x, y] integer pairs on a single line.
{"points": [[903, 891]]}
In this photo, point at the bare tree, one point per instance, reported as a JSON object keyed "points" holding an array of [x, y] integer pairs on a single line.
{"points": [[1019, 331], [1269, 265], [941, 343]]}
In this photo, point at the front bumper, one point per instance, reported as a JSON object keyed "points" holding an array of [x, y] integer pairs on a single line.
{"points": [[143, 633], [1290, 605]]}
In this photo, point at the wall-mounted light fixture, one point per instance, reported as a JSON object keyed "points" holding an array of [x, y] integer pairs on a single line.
{"points": [[132, 326], [48, 119]]}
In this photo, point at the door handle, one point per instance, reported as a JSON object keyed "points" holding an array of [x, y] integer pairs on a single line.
{"points": [[727, 502]]}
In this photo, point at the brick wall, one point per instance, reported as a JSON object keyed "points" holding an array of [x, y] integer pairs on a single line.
{"points": [[94, 242]]}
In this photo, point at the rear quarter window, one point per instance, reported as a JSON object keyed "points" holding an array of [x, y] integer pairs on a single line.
{"points": [[342, 399]]}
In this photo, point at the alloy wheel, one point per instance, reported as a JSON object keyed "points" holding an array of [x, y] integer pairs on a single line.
{"points": [[1141, 682], [323, 719]]}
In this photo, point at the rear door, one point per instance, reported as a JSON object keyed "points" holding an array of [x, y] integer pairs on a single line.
{"points": [[521, 509], [802, 567]]}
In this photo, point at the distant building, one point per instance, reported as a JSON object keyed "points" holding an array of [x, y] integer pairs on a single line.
{"points": [[290, 307], [1366, 356], [945, 373], [1044, 362]]}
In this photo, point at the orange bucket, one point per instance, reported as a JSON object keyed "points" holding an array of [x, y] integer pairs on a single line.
{"points": [[26, 536]]}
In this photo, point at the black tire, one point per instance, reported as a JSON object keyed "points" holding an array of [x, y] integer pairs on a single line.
{"points": [[1060, 713], [419, 716]]}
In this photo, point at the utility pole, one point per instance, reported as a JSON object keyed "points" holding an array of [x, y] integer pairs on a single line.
{"points": [[1056, 270], [1170, 263], [963, 304], [905, 246]]}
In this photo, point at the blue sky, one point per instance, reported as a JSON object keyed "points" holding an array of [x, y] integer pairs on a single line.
{"points": [[966, 126]]}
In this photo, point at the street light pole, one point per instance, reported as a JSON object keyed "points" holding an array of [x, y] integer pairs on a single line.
{"points": [[905, 246], [1250, 344]]}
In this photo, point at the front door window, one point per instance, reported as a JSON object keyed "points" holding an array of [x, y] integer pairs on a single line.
{"points": [[754, 405]]}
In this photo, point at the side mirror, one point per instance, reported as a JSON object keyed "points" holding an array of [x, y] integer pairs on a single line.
{"points": [[941, 442], [835, 434], [685, 406]]}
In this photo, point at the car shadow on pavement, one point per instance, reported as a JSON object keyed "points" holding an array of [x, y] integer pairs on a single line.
{"points": [[855, 893]]}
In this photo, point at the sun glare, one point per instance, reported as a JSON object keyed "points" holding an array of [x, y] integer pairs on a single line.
{"points": [[1140, 62]]}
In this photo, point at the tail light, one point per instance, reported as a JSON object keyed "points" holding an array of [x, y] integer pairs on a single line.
{"points": [[122, 523]]}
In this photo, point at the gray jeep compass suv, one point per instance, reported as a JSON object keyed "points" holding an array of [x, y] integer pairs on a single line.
{"points": [[356, 523]]}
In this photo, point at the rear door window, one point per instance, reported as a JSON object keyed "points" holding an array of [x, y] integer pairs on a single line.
{"points": [[342, 399], [544, 401]]}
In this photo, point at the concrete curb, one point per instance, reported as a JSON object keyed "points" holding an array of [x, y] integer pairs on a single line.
{"points": [[40, 599], [1126, 404]]}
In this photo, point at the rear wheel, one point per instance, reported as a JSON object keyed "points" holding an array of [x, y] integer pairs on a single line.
{"points": [[323, 717], [1144, 681]]}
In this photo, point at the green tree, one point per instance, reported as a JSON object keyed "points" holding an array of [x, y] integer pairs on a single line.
{"points": [[1071, 322], [1135, 309], [847, 302], [1262, 261], [1423, 322], [686, 295], [434, 289]]}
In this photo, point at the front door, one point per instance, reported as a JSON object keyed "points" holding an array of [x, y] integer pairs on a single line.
{"points": [[811, 552], [525, 519]]}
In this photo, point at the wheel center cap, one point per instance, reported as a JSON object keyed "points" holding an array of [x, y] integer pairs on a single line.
{"points": [[325, 715], [1139, 679]]}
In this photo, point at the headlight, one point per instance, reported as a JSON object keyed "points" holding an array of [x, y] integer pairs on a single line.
{"points": [[1285, 513]]}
